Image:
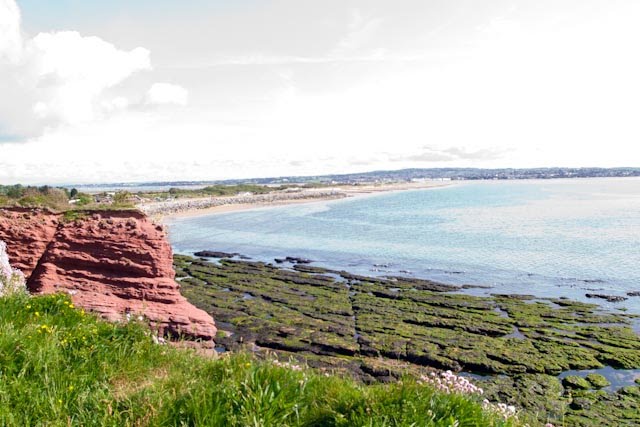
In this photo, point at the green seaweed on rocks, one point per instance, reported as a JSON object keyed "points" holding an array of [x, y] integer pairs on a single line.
{"points": [[519, 344]]}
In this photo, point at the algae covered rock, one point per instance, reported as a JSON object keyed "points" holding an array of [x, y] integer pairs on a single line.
{"points": [[378, 329], [580, 403], [576, 382], [631, 390], [597, 380], [536, 393]]}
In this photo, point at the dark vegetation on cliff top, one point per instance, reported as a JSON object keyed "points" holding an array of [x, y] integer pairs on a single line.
{"points": [[58, 199], [44, 197], [377, 329], [61, 199], [60, 366]]}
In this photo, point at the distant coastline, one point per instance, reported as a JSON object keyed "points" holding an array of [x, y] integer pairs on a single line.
{"points": [[187, 207], [382, 176]]}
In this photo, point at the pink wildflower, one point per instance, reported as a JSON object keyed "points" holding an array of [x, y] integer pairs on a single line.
{"points": [[287, 365], [501, 409], [448, 382]]}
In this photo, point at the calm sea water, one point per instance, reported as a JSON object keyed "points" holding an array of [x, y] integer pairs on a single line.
{"points": [[548, 238]]}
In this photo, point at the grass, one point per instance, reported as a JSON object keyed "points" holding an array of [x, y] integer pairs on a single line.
{"points": [[74, 215], [60, 366]]}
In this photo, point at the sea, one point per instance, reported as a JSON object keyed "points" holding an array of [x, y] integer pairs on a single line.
{"points": [[547, 238]]}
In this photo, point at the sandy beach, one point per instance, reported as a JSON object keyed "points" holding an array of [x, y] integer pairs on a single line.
{"points": [[187, 207]]}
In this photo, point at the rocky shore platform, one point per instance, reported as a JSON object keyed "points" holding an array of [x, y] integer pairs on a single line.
{"points": [[543, 355]]}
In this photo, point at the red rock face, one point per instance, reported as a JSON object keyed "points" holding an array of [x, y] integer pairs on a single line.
{"points": [[117, 264], [27, 233]]}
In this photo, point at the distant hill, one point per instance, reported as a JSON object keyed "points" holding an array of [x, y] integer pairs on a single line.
{"points": [[404, 175]]}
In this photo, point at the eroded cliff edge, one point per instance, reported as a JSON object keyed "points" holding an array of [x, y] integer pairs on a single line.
{"points": [[115, 263]]}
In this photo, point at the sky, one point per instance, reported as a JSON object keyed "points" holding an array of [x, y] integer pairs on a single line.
{"points": [[121, 91]]}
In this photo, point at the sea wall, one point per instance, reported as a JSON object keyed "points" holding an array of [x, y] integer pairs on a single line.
{"points": [[115, 263]]}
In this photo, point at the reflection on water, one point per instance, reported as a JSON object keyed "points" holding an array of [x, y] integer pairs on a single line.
{"points": [[617, 377]]}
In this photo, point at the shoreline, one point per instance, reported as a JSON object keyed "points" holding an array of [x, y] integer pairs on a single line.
{"points": [[516, 347], [192, 207], [510, 272], [468, 282]]}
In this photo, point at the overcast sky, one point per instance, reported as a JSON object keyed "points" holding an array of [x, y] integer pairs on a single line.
{"points": [[104, 91]]}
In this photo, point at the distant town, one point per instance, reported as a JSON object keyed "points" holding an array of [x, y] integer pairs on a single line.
{"points": [[404, 175]]}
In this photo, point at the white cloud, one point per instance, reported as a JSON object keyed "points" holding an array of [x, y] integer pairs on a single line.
{"points": [[57, 78], [167, 93], [119, 103], [432, 84], [360, 31], [74, 71], [10, 37]]}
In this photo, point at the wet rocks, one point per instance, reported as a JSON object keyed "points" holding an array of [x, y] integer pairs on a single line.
{"points": [[312, 269], [425, 285], [364, 324], [597, 381], [293, 260], [576, 382], [405, 319], [631, 390], [580, 403], [216, 254], [610, 298]]}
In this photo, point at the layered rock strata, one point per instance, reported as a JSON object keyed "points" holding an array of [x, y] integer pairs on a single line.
{"points": [[27, 233], [115, 263]]}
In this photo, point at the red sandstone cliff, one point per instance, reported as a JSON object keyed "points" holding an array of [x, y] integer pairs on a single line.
{"points": [[114, 263], [27, 233]]}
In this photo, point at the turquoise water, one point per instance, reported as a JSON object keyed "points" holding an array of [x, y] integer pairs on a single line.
{"points": [[548, 238]]}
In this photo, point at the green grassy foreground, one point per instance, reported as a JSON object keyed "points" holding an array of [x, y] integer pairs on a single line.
{"points": [[61, 366]]}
